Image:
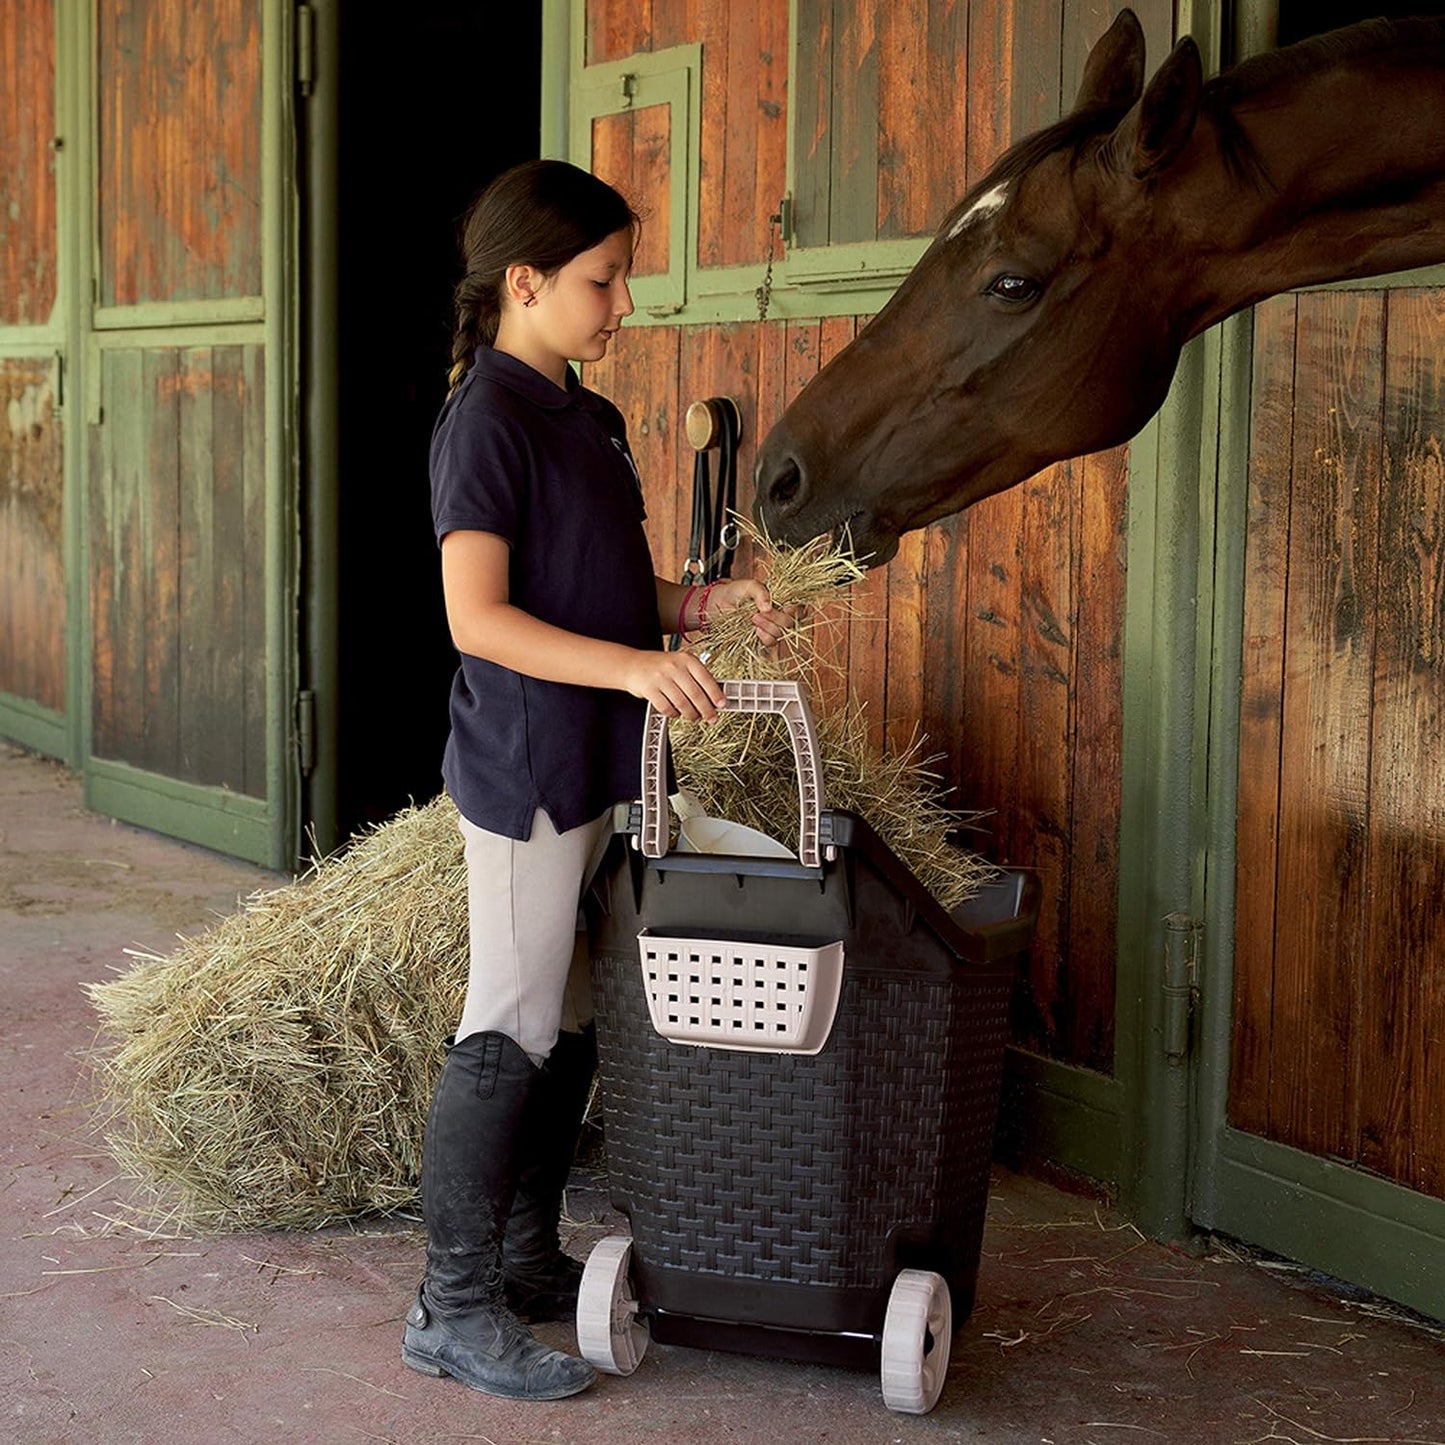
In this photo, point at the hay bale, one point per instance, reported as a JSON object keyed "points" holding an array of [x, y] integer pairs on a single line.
{"points": [[276, 1071]]}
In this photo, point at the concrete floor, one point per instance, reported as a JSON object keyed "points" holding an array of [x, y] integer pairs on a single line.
{"points": [[112, 1330]]}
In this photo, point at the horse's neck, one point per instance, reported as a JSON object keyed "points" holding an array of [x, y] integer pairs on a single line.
{"points": [[1351, 182]]}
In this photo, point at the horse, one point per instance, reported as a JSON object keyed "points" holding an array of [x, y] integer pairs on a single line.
{"points": [[1046, 317]]}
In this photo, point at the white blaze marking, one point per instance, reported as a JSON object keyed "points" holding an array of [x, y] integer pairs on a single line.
{"points": [[985, 205]]}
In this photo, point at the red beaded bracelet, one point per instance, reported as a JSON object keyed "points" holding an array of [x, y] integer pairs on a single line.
{"points": [[702, 607]]}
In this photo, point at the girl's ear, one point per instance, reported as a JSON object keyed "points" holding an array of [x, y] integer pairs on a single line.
{"points": [[523, 283]]}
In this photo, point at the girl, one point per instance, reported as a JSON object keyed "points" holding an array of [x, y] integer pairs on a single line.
{"points": [[554, 608]]}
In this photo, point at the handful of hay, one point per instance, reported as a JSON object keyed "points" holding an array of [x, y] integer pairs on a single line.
{"points": [[276, 1071]]}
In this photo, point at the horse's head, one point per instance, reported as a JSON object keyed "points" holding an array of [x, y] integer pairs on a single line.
{"points": [[1040, 324]]}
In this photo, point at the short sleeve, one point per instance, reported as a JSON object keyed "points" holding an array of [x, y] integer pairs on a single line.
{"points": [[478, 471]]}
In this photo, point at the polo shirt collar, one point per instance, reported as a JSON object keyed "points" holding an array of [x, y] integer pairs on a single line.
{"points": [[530, 384]]}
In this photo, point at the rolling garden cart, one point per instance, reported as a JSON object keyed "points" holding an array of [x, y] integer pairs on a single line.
{"points": [[800, 1063]]}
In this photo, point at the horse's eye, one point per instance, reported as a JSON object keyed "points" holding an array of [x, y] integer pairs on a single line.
{"points": [[1009, 287]]}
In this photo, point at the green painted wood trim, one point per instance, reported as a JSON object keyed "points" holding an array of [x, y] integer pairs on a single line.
{"points": [[179, 313], [215, 818], [673, 78], [85, 370], [220, 333], [1214, 1017], [1061, 1114], [311, 569], [1352, 1225], [1159, 850], [556, 76], [39, 728], [281, 285]]}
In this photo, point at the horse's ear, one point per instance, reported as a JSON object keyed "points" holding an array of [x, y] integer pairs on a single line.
{"points": [[1114, 71], [1159, 127]]}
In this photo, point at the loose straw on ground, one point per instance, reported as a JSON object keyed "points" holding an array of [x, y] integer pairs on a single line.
{"points": [[276, 1070]]}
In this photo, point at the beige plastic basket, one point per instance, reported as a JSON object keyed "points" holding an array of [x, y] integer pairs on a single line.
{"points": [[778, 998]]}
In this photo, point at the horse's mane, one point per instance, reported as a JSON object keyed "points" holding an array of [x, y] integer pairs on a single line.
{"points": [[1068, 133], [1221, 94], [1261, 73]]}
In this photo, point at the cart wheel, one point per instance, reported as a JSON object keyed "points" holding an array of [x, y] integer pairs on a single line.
{"points": [[610, 1334], [917, 1333]]}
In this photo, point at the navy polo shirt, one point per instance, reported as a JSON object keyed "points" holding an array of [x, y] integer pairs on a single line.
{"points": [[549, 470]]}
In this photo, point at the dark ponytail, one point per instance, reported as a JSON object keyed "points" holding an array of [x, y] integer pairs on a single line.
{"points": [[542, 214]]}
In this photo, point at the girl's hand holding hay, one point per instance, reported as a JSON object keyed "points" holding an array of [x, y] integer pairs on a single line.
{"points": [[770, 622]]}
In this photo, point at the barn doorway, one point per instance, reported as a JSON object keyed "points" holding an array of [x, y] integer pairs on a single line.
{"points": [[430, 110]]}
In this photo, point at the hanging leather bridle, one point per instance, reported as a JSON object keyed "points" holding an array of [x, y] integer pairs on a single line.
{"points": [[714, 424], [714, 535]]}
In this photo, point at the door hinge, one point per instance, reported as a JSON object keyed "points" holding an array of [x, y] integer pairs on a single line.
{"points": [[1180, 984], [306, 731], [305, 48], [784, 219]]}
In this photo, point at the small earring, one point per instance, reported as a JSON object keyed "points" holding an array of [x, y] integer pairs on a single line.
{"points": [[530, 301]]}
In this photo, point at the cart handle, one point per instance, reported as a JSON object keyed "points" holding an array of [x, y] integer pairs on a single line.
{"points": [[743, 695]]}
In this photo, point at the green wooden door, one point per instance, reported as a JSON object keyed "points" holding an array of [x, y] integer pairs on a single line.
{"points": [[188, 483], [1321, 1131]]}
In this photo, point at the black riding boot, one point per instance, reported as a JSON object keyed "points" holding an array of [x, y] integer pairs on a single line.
{"points": [[542, 1281], [460, 1324]]}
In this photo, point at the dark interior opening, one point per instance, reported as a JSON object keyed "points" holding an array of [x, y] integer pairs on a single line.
{"points": [[1299, 19], [434, 102]]}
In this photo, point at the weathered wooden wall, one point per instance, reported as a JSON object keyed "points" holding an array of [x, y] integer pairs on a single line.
{"points": [[1340, 933], [32, 566], [27, 162], [176, 516], [179, 160], [32, 552], [999, 632]]}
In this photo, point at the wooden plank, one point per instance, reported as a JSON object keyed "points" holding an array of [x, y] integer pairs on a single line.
{"points": [[991, 664], [206, 721], [640, 378], [922, 113], [228, 530], [159, 748], [1038, 36], [990, 78], [946, 709], [733, 229], [179, 150], [813, 122], [1039, 807], [905, 654], [770, 171], [853, 158], [255, 584], [32, 534], [1095, 748], [1401, 986], [1261, 706], [726, 97], [652, 189], [101, 576], [619, 28], [123, 634], [28, 255], [1324, 774], [614, 151]]}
